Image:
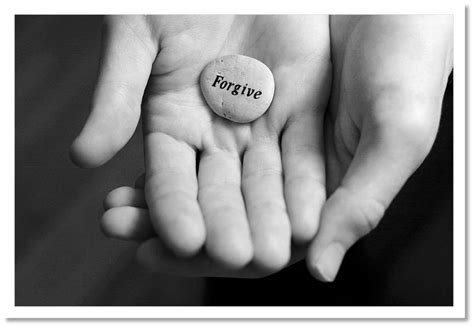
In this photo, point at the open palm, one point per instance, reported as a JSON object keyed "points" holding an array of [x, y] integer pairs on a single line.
{"points": [[389, 74], [257, 186]]}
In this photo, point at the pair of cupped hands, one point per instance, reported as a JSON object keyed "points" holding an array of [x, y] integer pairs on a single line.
{"points": [[356, 110]]}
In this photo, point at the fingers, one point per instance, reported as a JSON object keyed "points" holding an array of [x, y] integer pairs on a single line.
{"points": [[125, 66], [127, 223], [126, 217], [303, 165], [171, 193], [154, 256], [228, 236], [125, 196], [133, 224], [262, 185], [391, 147]]}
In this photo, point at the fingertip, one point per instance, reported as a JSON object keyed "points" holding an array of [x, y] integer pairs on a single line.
{"points": [[323, 262], [78, 156], [103, 135], [304, 230], [112, 199], [188, 246], [184, 239], [304, 202], [125, 196], [178, 222], [271, 263], [86, 153], [271, 241], [316, 273], [235, 253], [107, 223], [271, 255], [126, 223]]}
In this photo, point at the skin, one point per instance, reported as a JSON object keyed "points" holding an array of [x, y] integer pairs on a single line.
{"points": [[389, 75], [257, 187]]}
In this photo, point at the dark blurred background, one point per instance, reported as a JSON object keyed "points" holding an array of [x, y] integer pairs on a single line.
{"points": [[61, 257]]}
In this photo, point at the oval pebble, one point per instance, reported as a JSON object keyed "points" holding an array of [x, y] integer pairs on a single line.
{"points": [[237, 87]]}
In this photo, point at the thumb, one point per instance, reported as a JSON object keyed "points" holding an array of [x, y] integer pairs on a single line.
{"points": [[125, 66], [390, 149]]}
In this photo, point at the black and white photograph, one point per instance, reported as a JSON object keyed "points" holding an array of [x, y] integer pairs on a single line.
{"points": [[285, 160]]}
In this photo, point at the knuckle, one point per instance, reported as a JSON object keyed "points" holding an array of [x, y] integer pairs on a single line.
{"points": [[268, 209], [367, 216], [361, 215], [412, 122], [417, 134]]}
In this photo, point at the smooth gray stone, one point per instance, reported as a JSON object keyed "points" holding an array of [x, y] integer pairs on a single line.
{"points": [[238, 88]]}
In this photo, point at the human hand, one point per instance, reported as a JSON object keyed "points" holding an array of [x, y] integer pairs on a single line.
{"points": [[389, 77], [127, 218], [237, 201]]}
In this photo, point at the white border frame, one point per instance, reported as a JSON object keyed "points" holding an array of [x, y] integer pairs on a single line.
{"points": [[334, 7]]}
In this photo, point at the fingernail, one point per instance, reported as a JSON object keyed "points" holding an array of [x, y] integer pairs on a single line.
{"points": [[328, 263]]}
